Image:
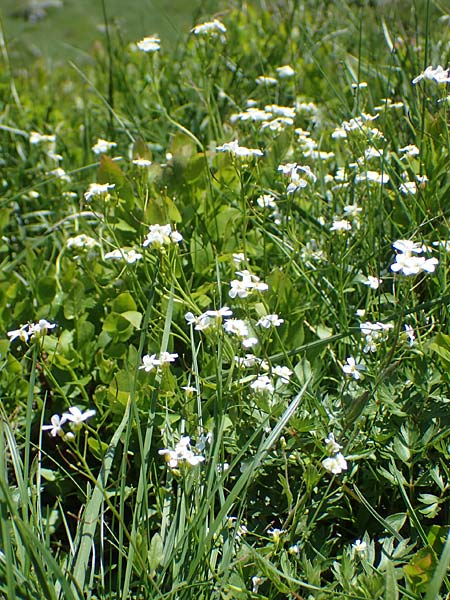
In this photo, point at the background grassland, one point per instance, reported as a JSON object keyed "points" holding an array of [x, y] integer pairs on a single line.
{"points": [[102, 515]]}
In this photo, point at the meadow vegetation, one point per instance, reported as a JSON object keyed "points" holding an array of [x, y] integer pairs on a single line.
{"points": [[224, 345]]}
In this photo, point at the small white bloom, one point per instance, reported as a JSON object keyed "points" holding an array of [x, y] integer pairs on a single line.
{"points": [[142, 162], [341, 225], [264, 80], [39, 138], [239, 151], [77, 417], [149, 44], [81, 241], [353, 368], [149, 362], [409, 332], [160, 235], [236, 327], [266, 201], [249, 342], [98, 189], [102, 146], [283, 373], [129, 256], [212, 28], [39, 329], [22, 333], [56, 425], [220, 313], [335, 464], [285, 71], [165, 358], [373, 282], [408, 188], [331, 445], [262, 385], [438, 74], [270, 321], [359, 547]]}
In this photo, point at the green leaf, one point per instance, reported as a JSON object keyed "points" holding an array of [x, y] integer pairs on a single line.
{"points": [[155, 553], [46, 289], [441, 345], [134, 317], [420, 569], [124, 302]]}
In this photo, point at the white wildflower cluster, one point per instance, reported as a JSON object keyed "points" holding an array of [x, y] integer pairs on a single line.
{"points": [[437, 74], [241, 330], [162, 235], [98, 190], [81, 241], [239, 151], [299, 176], [272, 117], [408, 261], [335, 463], [59, 173], [182, 453], [360, 125], [31, 331], [37, 138], [149, 44], [249, 283], [269, 321], [207, 319], [209, 28], [373, 282], [75, 417], [151, 361], [102, 146], [129, 256], [374, 334]]}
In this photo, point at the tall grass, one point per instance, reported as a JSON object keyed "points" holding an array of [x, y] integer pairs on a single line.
{"points": [[249, 288]]}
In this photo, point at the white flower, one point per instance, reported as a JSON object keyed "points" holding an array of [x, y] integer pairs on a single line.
{"points": [[212, 28], [372, 177], [160, 235], [129, 256], [56, 425], [39, 329], [353, 368], [220, 313], [264, 80], [239, 151], [331, 444], [352, 210], [341, 225], [165, 358], [59, 173], [22, 333], [77, 417], [142, 162], [98, 189], [270, 321], [238, 257], [262, 385], [408, 187], [359, 546], [373, 282], [438, 74], [283, 373], [149, 44], [200, 323], [410, 150], [335, 464], [81, 241], [181, 453], [249, 342], [102, 146], [39, 138], [409, 332], [285, 71], [266, 201], [236, 327], [149, 362], [407, 263]]}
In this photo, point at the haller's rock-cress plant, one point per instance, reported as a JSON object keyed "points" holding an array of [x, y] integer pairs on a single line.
{"points": [[224, 341]]}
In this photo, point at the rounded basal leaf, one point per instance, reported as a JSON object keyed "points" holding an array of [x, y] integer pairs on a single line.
{"points": [[124, 302], [46, 289]]}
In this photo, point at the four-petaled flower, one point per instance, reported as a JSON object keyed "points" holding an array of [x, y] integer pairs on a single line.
{"points": [[353, 368]]}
